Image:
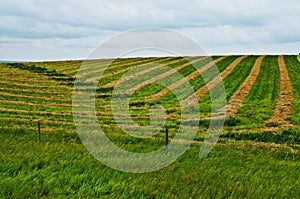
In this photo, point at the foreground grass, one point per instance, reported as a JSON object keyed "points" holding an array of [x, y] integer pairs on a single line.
{"points": [[59, 166]]}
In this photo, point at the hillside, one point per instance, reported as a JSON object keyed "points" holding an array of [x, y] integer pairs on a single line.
{"points": [[258, 146]]}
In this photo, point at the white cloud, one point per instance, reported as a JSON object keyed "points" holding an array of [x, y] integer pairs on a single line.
{"points": [[72, 28]]}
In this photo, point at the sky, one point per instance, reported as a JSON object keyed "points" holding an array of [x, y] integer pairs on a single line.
{"points": [[71, 29]]}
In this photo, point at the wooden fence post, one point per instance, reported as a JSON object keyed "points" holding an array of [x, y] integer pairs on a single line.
{"points": [[167, 141], [39, 131]]}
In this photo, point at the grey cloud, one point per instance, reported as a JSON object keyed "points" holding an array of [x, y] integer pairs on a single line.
{"points": [[214, 24]]}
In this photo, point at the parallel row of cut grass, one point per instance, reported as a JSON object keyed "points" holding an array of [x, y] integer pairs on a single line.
{"points": [[43, 104], [173, 63], [231, 83], [293, 67], [175, 85], [261, 99], [196, 82], [93, 70], [33, 110], [283, 105], [170, 101]]}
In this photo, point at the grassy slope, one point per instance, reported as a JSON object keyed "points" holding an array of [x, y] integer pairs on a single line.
{"points": [[60, 166]]}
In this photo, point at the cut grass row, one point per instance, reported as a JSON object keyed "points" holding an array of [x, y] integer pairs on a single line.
{"points": [[293, 67], [231, 83], [283, 107], [71, 67], [170, 100], [93, 66], [214, 82], [198, 82], [160, 75], [171, 63], [148, 90], [92, 73], [33, 97], [193, 74], [238, 98], [260, 102], [35, 86], [154, 88], [66, 99]]}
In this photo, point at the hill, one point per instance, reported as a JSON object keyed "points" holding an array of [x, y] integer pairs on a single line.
{"points": [[257, 154]]}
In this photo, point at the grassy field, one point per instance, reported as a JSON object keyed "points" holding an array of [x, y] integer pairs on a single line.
{"points": [[251, 159]]}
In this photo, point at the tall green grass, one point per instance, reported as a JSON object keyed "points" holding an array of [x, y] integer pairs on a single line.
{"points": [[60, 167]]}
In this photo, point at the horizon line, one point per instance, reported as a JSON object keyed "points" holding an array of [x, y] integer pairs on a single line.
{"points": [[132, 57]]}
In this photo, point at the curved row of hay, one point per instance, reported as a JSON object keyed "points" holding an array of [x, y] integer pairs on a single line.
{"points": [[28, 96]]}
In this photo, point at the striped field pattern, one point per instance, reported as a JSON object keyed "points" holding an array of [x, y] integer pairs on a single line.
{"points": [[42, 91]]}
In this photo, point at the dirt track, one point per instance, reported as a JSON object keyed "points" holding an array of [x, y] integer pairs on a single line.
{"points": [[283, 107], [238, 98]]}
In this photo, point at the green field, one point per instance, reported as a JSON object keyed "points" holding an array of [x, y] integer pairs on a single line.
{"points": [[253, 158]]}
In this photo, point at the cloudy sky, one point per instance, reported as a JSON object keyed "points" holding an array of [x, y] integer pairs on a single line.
{"points": [[71, 29]]}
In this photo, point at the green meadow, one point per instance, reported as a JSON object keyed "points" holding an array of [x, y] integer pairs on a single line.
{"points": [[252, 159]]}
